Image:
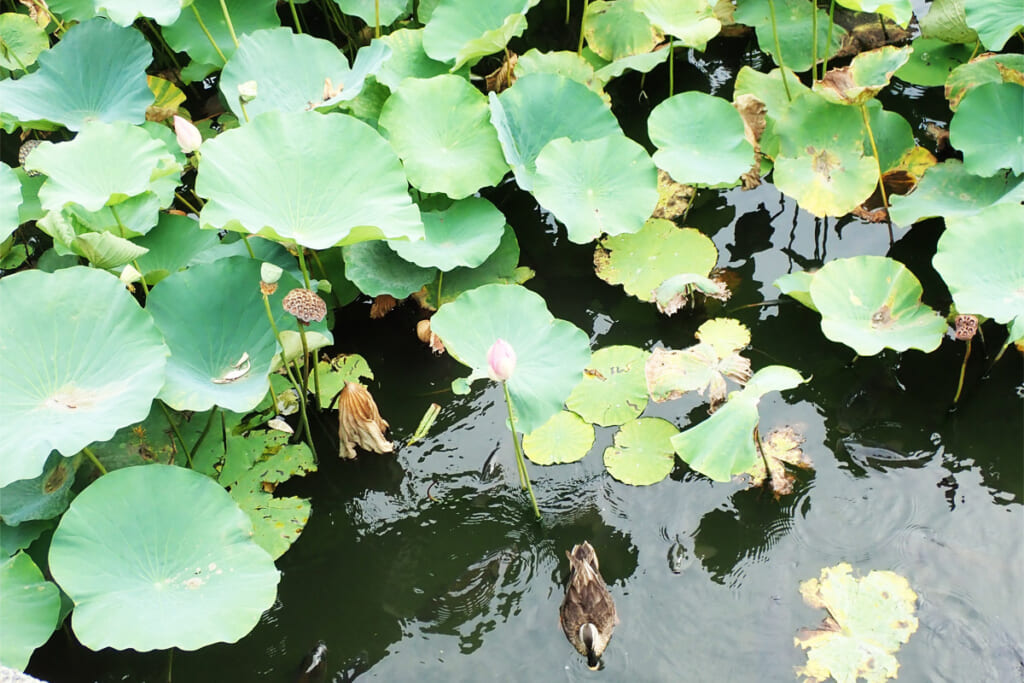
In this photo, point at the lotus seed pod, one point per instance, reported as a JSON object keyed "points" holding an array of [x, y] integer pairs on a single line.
{"points": [[25, 150], [966, 327], [268, 288], [305, 305]]}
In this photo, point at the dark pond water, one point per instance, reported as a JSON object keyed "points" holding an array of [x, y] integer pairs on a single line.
{"points": [[420, 566]]}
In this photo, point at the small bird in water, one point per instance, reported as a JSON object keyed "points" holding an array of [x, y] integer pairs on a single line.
{"points": [[588, 613]]}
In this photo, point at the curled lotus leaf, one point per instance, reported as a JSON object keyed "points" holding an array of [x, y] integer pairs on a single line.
{"points": [[23, 41], [43, 497], [994, 20], [899, 11], [670, 374], [31, 609], [564, 438], [407, 59], [692, 22], [866, 75], [463, 31], [377, 269], [10, 200], [463, 235], [125, 12], [950, 191], [798, 286]]}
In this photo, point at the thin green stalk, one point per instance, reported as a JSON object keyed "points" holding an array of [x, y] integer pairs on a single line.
{"points": [[567, 6], [440, 279], [302, 265], [95, 461], [778, 51], [135, 262], [319, 264], [167, 48], [814, 40], [177, 433], [828, 38], [524, 477], [248, 247], [376, 17], [245, 114], [583, 26], [202, 434], [299, 389], [227, 18], [186, 203], [302, 335], [671, 66], [11, 53], [206, 31], [295, 17], [963, 371], [878, 164]]}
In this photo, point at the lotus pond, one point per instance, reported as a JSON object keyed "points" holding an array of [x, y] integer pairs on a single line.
{"points": [[734, 291]]}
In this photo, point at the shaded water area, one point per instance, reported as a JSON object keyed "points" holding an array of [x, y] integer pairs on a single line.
{"points": [[429, 565]]}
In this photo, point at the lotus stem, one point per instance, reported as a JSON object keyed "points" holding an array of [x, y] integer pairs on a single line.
{"points": [[963, 371], [245, 114], [227, 18], [302, 335], [671, 66], [376, 17], [187, 205], [878, 164], [568, 4], [248, 247], [202, 435], [207, 32], [95, 461], [295, 16], [425, 423], [440, 279], [177, 433], [300, 390], [524, 477], [167, 48], [814, 41], [583, 26], [828, 38], [778, 51]]}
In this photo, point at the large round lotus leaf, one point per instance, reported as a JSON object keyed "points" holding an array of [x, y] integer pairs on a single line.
{"points": [[172, 245], [821, 162], [97, 72], [313, 178], [700, 140], [566, 437], [866, 75], [105, 164], [440, 128], [550, 353], [642, 261], [613, 390], [948, 190], [125, 12], [29, 609], [157, 557], [994, 20], [22, 39], [893, 136], [642, 452], [407, 60], [618, 29], [463, 235], [988, 68], [899, 11], [213, 316], [372, 10], [692, 22], [10, 201], [78, 360], [794, 29], [499, 268], [376, 269], [43, 497], [981, 261], [563, 62], [186, 34], [873, 302], [603, 186], [932, 61], [542, 107], [462, 31], [987, 128]]}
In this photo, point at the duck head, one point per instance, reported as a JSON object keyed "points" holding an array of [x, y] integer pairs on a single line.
{"points": [[591, 639]]}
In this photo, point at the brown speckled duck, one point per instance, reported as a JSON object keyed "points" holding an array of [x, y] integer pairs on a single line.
{"points": [[588, 613]]}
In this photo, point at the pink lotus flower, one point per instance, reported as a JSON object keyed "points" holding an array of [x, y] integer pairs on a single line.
{"points": [[188, 135], [501, 360]]}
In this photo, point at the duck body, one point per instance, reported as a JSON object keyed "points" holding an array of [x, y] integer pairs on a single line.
{"points": [[588, 613]]}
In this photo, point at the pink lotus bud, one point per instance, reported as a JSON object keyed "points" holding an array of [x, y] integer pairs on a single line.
{"points": [[501, 360], [188, 135]]}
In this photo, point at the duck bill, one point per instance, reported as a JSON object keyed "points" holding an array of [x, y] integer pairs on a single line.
{"points": [[593, 662]]}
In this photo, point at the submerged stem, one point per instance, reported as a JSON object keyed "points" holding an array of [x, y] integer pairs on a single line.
{"points": [[524, 477], [202, 435], [878, 164]]}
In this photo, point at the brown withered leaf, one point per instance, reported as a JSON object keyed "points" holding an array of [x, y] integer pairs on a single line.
{"points": [[38, 11], [781, 447], [382, 305], [427, 336], [673, 198], [504, 76], [360, 423], [752, 111]]}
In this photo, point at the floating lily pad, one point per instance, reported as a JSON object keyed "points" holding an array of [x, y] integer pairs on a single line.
{"points": [[148, 572], [619, 29], [932, 61], [23, 41], [564, 438], [78, 360], [994, 20], [97, 72], [370, 10], [376, 269], [463, 31], [613, 390], [407, 60], [551, 353], [604, 186], [186, 35], [43, 497], [642, 261], [899, 11], [692, 22], [798, 286], [642, 452], [440, 127], [987, 128], [794, 28], [873, 302], [866, 75], [463, 235], [29, 609], [781, 449], [948, 190], [542, 107], [317, 179], [868, 620]]}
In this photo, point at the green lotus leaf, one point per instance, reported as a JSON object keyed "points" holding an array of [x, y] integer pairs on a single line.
{"points": [[794, 29], [772, 378], [132, 217], [603, 186], [499, 268], [370, 10], [798, 286], [725, 335], [172, 245], [613, 390], [932, 61], [641, 454], [680, 290], [216, 326], [10, 201], [642, 261], [899, 11], [988, 68], [125, 12], [866, 75], [148, 572], [643, 62], [29, 610], [187, 35], [563, 63], [78, 360], [43, 497], [336, 372], [73, 10], [978, 262], [97, 72], [692, 22], [15, 538], [564, 438], [770, 89], [154, 439], [102, 249], [987, 129], [550, 353], [463, 235], [317, 179], [463, 31], [408, 60], [105, 164], [22, 40], [873, 302], [30, 209], [619, 29], [946, 20], [376, 269], [994, 20], [868, 620], [441, 130], [700, 140], [821, 160], [542, 107], [893, 136], [948, 190]]}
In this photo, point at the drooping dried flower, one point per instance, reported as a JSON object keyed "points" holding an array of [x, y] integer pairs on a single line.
{"points": [[360, 423], [305, 305], [501, 360], [427, 336]]}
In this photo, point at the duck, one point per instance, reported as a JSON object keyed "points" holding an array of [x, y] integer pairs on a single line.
{"points": [[587, 614]]}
